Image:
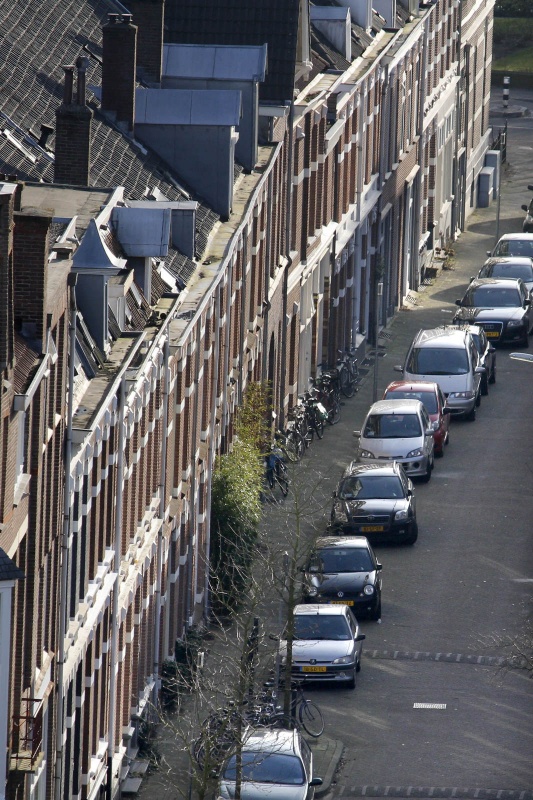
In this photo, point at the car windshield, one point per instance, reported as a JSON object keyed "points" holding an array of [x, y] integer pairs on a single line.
{"points": [[321, 626], [524, 271], [392, 426], [346, 559], [429, 399], [488, 296], [514, 247], [438, 361], [370, 487], [267, 768]]}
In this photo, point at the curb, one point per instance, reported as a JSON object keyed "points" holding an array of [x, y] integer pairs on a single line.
{"points": [[322, 791]]}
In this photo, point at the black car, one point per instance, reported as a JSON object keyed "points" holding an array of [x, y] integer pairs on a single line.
{"points": [[376, 500], [509, 267], [344, 570], [501, 306]]}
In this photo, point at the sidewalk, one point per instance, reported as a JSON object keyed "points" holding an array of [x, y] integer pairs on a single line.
{"points": [[433, 304]]}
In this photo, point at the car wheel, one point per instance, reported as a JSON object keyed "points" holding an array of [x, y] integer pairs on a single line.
{"points": [[447, 440], [376, 612], [492, 378], [353, 680], [413, 536], [478, 398], [427, 476], [358, 666], [485, 385], [471, 415], [525, 343]]}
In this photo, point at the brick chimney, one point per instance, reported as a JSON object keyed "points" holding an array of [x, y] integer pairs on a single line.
{"points": [[30, 257], [73, 130], [149, 16], [118, 68], [7, 342]]}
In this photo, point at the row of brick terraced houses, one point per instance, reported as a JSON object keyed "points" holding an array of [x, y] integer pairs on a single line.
{"points": [[197, 213]]}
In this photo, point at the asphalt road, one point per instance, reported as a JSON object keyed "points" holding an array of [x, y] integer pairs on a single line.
{"points": [[465, 585]]}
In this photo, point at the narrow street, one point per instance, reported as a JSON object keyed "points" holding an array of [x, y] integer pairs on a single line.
{"points": [[449, 600]]}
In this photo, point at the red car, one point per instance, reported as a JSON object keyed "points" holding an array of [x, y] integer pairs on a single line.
{"points": [[430, 394]]}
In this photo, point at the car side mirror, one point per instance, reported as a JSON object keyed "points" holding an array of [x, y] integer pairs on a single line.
{"points": [[313, 568], [524, 208], [334, 494], [492, 349], [457, 302], [360, 637], [398, 368], [489, 253], [379, 567], [357, 434], [430, 431], [480, 370], [316, 782], [446, 410]]}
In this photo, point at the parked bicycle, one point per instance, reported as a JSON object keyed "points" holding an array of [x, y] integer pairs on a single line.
{"points": [[348, 372], [291, 442], [276, 470], [328, 388]]}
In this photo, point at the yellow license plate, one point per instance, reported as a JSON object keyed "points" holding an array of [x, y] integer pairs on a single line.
{"points": [[313, 669], [492, 334], [341, 602], [371, 528]]}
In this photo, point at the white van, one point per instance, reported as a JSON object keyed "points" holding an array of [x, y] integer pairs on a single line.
{"points": [[449, 357], [398, 430]]}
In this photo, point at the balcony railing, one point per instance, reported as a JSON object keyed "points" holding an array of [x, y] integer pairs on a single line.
{"points": [[26, 752]]}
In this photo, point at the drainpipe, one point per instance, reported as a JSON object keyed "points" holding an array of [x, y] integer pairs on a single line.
{"points": [[212, 455], [193, 516], [160, 540], [288, 227], [60, 714], [116, 591], [266, 283], [225, 371], [457, 197]]}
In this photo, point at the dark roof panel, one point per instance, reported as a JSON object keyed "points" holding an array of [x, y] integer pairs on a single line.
{"points": [[243, 22]]}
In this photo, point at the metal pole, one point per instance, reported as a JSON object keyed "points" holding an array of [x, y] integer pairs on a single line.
{"points": [[498, 200], [506, 83], [379, 293]]}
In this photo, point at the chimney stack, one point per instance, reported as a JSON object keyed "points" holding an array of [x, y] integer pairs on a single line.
{"points": [[118, 68], [73, 131], [30, 257], [7, 341], [149, 16]]}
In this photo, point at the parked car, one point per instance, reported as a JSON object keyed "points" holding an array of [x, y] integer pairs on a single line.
{"points": [[344, 570], [513, 244], [509, 267], [327, 644], [449, 356], [430, 394], [276, 764], [376, 500], [527, 225], [398, 430], [501, 306], [486, 351]]}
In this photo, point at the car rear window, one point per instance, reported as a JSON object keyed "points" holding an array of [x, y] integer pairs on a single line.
{"points": [[514, 247], [345, 559], [493, 297], [392, 426], [438, 361], [524, 271], [267, 768], [429, 399], [321, 626], [371, 487]]}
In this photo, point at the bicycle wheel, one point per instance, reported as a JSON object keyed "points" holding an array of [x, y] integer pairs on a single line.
{"points": [[282, 480], [348, 383], [310, 718], [334, 413], [318, 426], [309, 434], [294, 446]]}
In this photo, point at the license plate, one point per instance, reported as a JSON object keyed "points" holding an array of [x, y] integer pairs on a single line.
{"points": [[371, 528], [313, 669], [341, 602], [492, 334]]}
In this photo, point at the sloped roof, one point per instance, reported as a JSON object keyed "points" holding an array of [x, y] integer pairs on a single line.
{"points": [[243, 22], [8, 569], [37, 37]]}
